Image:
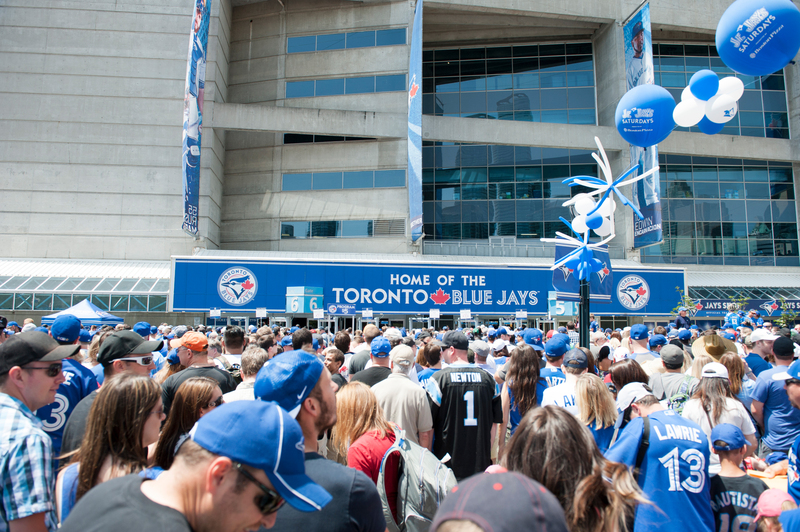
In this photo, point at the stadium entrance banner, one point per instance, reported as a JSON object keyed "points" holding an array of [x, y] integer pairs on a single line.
{"points": [[193, 114], [415, 126], [412, 287], [767, 308], [639, 71]]}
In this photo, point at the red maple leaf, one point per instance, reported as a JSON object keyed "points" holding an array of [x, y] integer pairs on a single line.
{"points": [[774, 306], [605, 271], [413, 91], [247, 285], [641, 291], [699, 306], [440, 297]]}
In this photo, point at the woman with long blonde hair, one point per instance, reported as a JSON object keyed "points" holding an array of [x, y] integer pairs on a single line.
{"points": [[596, 408], [363, 434]]}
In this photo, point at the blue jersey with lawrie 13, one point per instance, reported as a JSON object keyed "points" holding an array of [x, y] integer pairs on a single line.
{"points": [[674, 473]]}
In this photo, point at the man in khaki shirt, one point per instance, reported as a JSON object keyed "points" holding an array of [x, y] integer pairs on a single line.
{"points": [[404, 402]]}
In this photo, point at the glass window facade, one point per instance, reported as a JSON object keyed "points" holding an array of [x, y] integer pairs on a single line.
{"points": [[726, 211], [762, 108], [533, 83], [343, 180], [339, 86], [476, 191], [340, 41], [327, 229]]}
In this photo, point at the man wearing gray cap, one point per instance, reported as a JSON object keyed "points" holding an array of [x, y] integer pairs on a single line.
{"points": [[672, 381], [482, 351], [404, 402]]}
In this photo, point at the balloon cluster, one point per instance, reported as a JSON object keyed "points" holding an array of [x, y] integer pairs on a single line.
{"points": [[593, 216], [708, 102]]}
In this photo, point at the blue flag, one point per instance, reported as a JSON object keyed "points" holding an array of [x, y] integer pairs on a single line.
{"points": [[567, 286], [415, 126]]}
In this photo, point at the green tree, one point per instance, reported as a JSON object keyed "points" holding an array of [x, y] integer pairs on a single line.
{"points": [[684, 301], [788, 314]]}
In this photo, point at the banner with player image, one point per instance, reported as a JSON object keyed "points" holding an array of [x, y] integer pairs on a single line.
{"points": [[415, 126], [639, 71], [568, 287], [193, 114]]}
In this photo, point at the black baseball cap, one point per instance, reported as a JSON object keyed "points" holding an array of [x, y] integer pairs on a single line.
{"points": [[124, 343], [455, 339], [3, 322], [32, 346], [783, 347]]}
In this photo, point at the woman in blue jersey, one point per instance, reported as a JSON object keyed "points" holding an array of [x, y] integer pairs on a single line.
{"points": [[597, 409], [522, 390]]}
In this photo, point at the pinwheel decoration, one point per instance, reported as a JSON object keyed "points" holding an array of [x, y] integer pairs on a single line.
{"points": [[594, 216]]}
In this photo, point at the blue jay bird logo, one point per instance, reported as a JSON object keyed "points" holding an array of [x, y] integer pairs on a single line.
{"points": [[633, 292], [237, 286]]}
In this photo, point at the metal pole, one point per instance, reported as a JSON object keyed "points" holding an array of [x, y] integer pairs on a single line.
{"points": [[583, 317]]}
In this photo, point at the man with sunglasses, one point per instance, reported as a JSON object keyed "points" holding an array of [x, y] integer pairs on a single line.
{"points": [[193, 353], [242, 461], [30, 373], [122, 352]]}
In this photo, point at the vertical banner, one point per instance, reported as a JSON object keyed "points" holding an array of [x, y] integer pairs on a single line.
{"points": [[415, 126], [193, 114], [639, 71], [568, 287]]}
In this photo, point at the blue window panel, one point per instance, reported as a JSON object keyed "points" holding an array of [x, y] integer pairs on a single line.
{"points": [[447, 85], [138, 303], [783, 211], [750, 101], [330, 87], [581, 116], [358, 180], [475, 231], [475, 211], [551, 80], [334, 41], [473, 103], [447, 232], [447, 211], [297, 182], [327, 180], [499, 82], [390, 37], [390, 178], [554, 98], [157, 304], [427, 212], [581, 98], [555, 117], [580, 62], [360, 85], [773, 83], [301, 44], [470, 84], [530, 230], [527, 80], [759, 211], [390, 83], [299, 89], [356, 228], [447, 192], [500, 156], [361, 39], [291, 230], [502, 211], [580, 79]]}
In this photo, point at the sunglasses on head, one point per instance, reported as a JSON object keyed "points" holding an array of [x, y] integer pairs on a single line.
{"points": [[215, 403], [143, 361], [52, 370], [270, 500]]}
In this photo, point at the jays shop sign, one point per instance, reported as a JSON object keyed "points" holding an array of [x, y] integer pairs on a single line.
{"points": [[200, 284], [765, 307]]}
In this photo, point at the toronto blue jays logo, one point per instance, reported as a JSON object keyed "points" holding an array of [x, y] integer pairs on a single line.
{"points": [[237, 286], [604, 272], [769, 307], [566, 271], [633, 292]]}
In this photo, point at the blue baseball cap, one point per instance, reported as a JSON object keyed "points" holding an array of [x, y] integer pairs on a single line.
{"points": [[262, 435], [792, 372], [12, 324], [289, 379], [682, 309], [673, 333], [286, 340], [180, 330], [575, 358], [66, 329], [85, 336], [729, 336], [684, 335], [153, 329], [557, 345], [42, 329], [491, 332], [637, 28], [501, 330], [657, 339], [294, 329], [562, 330], [639, 332], [380, 347], [172, 357], [252, 328], [142, 329], [533, 337], [693, 327], [727, 437]]}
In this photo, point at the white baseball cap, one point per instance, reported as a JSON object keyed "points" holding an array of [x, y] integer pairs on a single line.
{"points": [[498, 345], [714, 370], [762, 334], [630, 393]]}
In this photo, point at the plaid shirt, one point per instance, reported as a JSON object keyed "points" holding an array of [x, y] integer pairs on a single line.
{"points": [[26, 465], [574, 338]]}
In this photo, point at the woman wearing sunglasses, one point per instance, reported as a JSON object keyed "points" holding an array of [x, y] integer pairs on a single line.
{"points": [[195, 398], [123, 422]]}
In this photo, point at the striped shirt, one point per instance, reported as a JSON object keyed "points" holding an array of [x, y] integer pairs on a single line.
{"points": [[26, 465]]}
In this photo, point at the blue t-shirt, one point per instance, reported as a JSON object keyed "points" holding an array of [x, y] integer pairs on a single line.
{"points": [[792, 473], [732, 318], [602, 437], [553, 376], [593, 326], [674, 473], [781, 420], [79, 383], [756, 363], [514, 416], [98, 374], [790, 520], [760, 322], [425, 374]]}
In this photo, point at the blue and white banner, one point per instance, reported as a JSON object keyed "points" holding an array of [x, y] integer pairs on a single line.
{"points": [[193, 114], [639, 71], [415, 126], [568, 287]]}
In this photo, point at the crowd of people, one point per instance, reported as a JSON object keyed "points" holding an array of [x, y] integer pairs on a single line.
{"points": [[213, 429]]}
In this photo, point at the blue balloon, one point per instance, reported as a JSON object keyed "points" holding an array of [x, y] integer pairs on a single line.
{"points": [[758, 37], [704, 84], [594, 221], [708, 127], [644, 115], [573, 262]]}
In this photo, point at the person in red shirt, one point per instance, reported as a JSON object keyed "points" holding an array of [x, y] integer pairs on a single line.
{"points": [[360, 420]]}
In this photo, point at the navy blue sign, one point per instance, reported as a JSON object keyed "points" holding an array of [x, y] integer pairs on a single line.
{"points": [[410, 288], [567, 286], [765, 307]]}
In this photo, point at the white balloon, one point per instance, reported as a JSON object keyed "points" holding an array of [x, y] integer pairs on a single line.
{"points": [[687, 96], [732, 86], [689, 113], [606, 228], [579, 224], [583, 203], [721, 108], [608, 207]]}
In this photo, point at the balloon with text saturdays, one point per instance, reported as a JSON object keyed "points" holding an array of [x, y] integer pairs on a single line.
{"points": [[644, 115], [708, 127], [704, 84], [758, 37]]}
